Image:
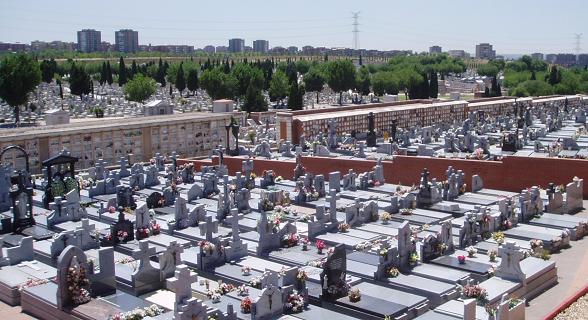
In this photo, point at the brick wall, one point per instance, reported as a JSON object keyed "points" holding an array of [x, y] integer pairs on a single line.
{"points": [[511, 174]]}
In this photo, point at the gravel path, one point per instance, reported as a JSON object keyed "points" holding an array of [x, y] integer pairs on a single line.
{"points": [[578, 310]]}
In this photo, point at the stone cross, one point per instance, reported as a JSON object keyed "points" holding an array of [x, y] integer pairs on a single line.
{"points": [[30, 264], [269, 278], [143, 254], [510, 267], [208, 228], [332, 198], [86, 230], [182, 281], [235, 224]]}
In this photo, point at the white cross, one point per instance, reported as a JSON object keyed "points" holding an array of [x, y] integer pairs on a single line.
{"points": [[30, 264]]}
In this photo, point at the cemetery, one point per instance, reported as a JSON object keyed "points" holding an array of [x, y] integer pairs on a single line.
{"points": [[173, 238]]}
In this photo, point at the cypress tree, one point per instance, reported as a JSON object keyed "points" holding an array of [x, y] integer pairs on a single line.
{"points": [[122, 72], [434, 86], [553, 76], [495, 88], [486, 92], [180, 79], [133, 69], [533, 75], [109, 73], [103, 76]]}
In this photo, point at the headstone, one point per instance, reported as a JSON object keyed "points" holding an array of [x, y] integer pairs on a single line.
{"points": [[335, 180], [334, 274], [186, 307], [169, 259], [510, 268]]}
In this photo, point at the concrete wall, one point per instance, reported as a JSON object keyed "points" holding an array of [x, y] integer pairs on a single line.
{"points": [[511, 174]]}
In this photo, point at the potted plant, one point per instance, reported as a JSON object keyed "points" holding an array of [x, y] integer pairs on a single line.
{"points": [[246, 270], [320, 246], [385, 217], [246, 305], [354, 295]]}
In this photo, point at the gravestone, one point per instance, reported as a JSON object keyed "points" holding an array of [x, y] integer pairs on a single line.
{"points": [[349, 181], [186, 307], [151, 176], [319, 184], [371, 135], [195, 192], [510, 258], [169, 259], [268, 305], [124, 198], [477, 183], [123, 171], [334, 274], [72, 259], [335, 180], [145, 278]]}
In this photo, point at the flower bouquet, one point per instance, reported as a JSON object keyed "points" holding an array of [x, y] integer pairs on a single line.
{"points": [[393, 272], [320, 246], [304, 241], [343, 227], [385, 217], [242, 290], [246, 304], [122, 235], [207, 247], [461, 259], [406, 211], [471, 250], [472, 291], [354, 295], [246, 270], [295, 302], [302, 276], [413, 259], [155, 228], [492, 255]]}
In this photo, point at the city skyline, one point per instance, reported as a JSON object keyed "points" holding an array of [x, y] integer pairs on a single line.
{"points": [[308, 23]]}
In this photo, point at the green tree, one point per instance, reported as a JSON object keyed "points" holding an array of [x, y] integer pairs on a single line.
{"points": [[433, 85], [302, 66], [554, 76], [48, 68], [384, 82], [122, 72], [192, 80], [180, 81], [133, 69], [254, 100], [19, 75], [314, 80], [363, 81], [247, 75], [296, 97], [80, 82], [140, 88], [103, 76], [108, 73], [341, 76], [279, 86], [217, 84]]}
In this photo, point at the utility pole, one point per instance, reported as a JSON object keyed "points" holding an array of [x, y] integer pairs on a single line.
{"points": [[355, 30], [578, 48]]}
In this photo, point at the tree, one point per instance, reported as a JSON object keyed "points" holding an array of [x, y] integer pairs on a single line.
{"points": [[487, 92], [79, 81], [495, 88], [108, 73], [246, 75], [384, 82], [554, 76], [217, 84], [180, 81], [133, 69], [103, 76], [279, 86], [341, 76], [488, 69], [192, 79], [302, 66], [122, 72], [254, 100], [295, 98], [433, 85], [314, 80], [363, 81], [140, 88], [19, 75], [48, 68]]}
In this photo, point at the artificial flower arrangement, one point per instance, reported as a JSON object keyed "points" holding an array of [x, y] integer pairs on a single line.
{"points": [[474, 291], [155, 228], [246, 304], [245, 270], [471, 250], [242, 290], [413, 259], [440, 248], [302, 276], [304, 242], [278, 179], [111, 209], [506, 224], [139, 313], [406, 211], [385, 217], [255, 282], [267, 205], [142, 233], [307, 217], [290, 240], [363, 246], [215, 297], [374, 183], [122, 235], [486, 219], [354, 295], [498, 236], [320, 246], [295, 302], [77, 282], [343, 227], [461, 259], [207, 247], [319, 263], [492, 255], [30, 282], [392, 272]]}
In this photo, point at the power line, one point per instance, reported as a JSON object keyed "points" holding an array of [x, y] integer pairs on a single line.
{"points": [[356, 30]]}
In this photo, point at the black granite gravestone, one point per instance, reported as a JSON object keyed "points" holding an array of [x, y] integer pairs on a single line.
{"points": [[333, 276]]}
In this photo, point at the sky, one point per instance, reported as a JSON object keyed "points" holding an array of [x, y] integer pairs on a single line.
{"points": [[512, 26]]}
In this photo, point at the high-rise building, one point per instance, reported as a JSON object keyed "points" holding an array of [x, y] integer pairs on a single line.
{"points": [[537, 55], [550, 57], [457, 53], [89, 40], [435, 49], [583, 59], [236, 45], [126, 40], [484, 51], [209, 49], [261, 46], [293, 49], [221, 49]]}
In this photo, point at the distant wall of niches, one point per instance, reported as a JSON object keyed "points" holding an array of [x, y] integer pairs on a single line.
{"points": [[292, 125], [511, 173]]}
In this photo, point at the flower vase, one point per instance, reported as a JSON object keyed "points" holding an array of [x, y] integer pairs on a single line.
{"points": [[320, 251], [385, 222], [304, 247], [121, 239]]}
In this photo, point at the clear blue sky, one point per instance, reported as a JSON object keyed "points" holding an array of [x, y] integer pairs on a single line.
{"points": [[512, 26]]}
